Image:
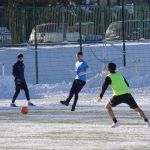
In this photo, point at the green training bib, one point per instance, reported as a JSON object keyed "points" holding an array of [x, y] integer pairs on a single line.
{"points": [[118, 84]]}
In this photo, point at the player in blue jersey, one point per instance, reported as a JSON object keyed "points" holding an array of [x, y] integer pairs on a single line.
{"points": [[79, 81]]}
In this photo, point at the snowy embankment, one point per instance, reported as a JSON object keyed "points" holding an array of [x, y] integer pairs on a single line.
{"points": [[138, 83], [54, 79]]}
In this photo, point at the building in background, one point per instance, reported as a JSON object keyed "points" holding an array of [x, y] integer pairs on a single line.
{"points": [[118, 2], [69, 2]]}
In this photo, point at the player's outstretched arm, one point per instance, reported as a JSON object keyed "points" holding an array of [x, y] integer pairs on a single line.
{"points": [[104, 88]]}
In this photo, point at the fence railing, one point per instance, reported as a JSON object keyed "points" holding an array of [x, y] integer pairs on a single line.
{"points": [[59, 24], [56, 63]]}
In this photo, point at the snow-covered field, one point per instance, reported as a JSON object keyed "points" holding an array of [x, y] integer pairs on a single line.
{"points": [[51, 126]]}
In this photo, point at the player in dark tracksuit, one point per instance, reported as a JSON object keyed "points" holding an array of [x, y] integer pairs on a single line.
{"points": [[121, 94], [79, 82], [20, 83]]}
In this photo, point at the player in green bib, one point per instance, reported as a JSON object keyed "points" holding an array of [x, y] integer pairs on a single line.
{"points": [[121, 94]]}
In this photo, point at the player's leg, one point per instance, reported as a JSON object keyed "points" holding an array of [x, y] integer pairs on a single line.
{"points": [[115, 100], [26, 90], [110, 112], [133, 105], [71, 93], [142, 115], [79, 85], [15, 95]]}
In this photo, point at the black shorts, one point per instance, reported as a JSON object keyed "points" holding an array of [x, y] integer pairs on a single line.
{"points": [[22, 86], [126, 98]]}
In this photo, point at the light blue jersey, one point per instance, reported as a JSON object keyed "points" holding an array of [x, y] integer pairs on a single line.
{"points": [[81, 68]]}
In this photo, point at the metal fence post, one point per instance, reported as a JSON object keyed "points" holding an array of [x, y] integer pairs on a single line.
{"points": [[35, 41], [64, 22], [123, 35], [79, 14], [3, 70]]}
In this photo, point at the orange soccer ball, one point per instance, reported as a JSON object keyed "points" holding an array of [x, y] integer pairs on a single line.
{"points": [[24, 110]]}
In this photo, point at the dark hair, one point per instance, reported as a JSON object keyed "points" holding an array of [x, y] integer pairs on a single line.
{"points": [[112, 67], [19, 56], [80, 53]]}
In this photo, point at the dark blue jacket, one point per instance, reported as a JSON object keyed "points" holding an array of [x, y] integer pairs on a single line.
{"points": [[18, 71]]}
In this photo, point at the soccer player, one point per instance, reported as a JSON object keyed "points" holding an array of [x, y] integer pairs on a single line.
{"points": [[20, 83], [79, 82], [121, 94]]}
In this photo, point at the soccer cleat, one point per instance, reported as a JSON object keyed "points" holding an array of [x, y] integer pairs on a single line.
{"points": [[13, 105], [147, 124], [115, 125], [73, 109], [30, 104], [64, 103]]}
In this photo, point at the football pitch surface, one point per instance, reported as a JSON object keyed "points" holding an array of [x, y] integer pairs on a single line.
{"points": [[51, 126]]}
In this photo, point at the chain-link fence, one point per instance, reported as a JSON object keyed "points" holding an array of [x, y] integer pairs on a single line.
{"points": [[56, 64]]}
